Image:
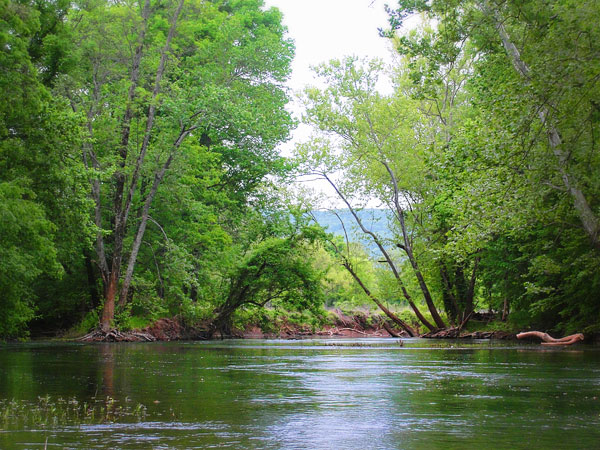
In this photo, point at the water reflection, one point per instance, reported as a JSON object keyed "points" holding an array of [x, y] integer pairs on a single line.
{"points": [[108, 369], [313, 394]]}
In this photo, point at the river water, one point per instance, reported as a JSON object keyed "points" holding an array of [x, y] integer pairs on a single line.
{"points": [[310, 394]]}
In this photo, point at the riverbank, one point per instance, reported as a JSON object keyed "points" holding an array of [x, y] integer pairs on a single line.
{"points": [[354, 325]]}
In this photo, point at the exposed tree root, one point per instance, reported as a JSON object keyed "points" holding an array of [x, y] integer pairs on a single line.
{"points": [[117, 336], [448, 333], [390, 330], [455, 333], [549, 340], [161, 330]]}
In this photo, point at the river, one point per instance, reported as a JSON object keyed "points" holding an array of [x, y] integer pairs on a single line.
{"points": [[309, 394]]}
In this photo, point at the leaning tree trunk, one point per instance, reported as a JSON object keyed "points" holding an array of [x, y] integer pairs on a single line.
{"points": [[346, 263], [222, 323], [383, 251], [589, 220], [407, 247], [140, 160], [386, 311]]}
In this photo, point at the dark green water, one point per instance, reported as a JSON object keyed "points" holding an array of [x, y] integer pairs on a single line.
{"points": [[315, 394]]}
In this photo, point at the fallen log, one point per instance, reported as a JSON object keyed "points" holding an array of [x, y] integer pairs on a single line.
{"points": [[549, 340]]}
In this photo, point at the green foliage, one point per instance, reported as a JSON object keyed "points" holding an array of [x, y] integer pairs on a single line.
{"points": [[339, 288], [87, 324], [43, 203], [505, 191], [128, 322], [64, 163], [279, 320], [496, 214], [512, 326], [273, 269], [27, 251]]}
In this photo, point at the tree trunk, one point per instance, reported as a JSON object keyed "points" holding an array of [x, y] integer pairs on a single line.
{"points": [[111, 275], [144, 219], [386, 311], [448, 297], [384, 252], [222, 324], [589, 220], [120, 210], [422, 284], [390, 331], [108, 312], [409, 251]]}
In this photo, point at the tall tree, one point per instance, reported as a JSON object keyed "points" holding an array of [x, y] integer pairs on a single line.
{"points": [[158, 80], [553, 63], [43, 208], [373, 146], [526, 154], [273, 267]]}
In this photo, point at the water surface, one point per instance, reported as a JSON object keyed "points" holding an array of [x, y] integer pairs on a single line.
{"points": [[312, 394]]}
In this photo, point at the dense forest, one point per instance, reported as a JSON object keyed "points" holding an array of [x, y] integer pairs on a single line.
{"points": [[140, 176]]}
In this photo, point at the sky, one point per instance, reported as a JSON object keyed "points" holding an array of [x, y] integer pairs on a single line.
{"points": [[329, 29]]}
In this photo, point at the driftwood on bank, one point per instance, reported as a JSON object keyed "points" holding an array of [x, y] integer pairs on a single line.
{"points": [[456, 333], [117, 336], [549, 340], [161, 330], [390, 330]]}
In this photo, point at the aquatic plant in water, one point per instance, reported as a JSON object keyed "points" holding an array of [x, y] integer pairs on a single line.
{"points": [[47, 411]]}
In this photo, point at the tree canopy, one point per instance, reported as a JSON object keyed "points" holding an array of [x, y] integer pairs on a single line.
{"points": [[141, 178]]}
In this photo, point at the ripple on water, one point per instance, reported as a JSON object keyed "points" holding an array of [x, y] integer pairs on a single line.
{"points": [[315, 395]]}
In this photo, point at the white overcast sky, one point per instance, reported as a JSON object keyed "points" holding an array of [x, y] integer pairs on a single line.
{"points": [[329, 29]]}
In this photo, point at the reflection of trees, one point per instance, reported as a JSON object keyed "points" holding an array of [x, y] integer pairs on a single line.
{"points": [[494, 391], [68, 371], [296, 396], [107, 351], [16, 374]]}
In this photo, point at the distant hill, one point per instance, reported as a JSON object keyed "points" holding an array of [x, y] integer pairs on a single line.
{"points": [[376, 220]]}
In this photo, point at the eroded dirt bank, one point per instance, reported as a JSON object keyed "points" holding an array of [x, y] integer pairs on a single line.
{"points": [[341, 325]]}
